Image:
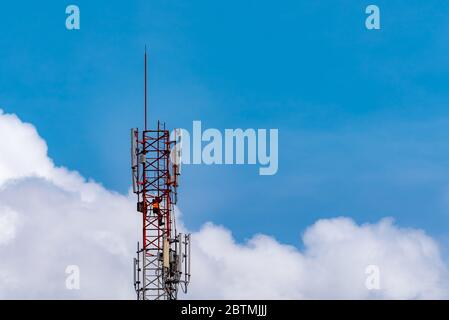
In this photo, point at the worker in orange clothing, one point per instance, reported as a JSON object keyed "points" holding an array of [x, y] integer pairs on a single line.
{"points": [[156, 205], [156, 209]]}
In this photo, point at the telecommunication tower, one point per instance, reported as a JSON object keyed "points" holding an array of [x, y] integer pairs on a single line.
{"points": [[162, 265]]}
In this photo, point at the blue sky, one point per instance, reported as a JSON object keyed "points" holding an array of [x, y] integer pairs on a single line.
{"points": [[362, 115]]}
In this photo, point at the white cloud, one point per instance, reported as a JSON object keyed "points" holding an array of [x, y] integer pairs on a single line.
{"points": [[8, 224], [332, 265], [23, 152], [51, 217]]}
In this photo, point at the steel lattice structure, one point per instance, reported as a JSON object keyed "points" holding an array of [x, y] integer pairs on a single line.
{"points": [[162, 264]]}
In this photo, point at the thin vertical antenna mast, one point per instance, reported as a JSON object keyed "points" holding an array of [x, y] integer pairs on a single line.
{"points": [[146, 100]]}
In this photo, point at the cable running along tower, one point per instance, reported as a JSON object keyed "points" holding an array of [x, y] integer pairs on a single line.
{"points": [[162, 265]]}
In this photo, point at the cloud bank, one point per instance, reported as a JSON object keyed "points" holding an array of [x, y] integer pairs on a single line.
{"points": [[51, 217]]}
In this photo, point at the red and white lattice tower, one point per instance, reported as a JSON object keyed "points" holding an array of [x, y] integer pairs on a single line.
{"points": [[162, 264]]}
